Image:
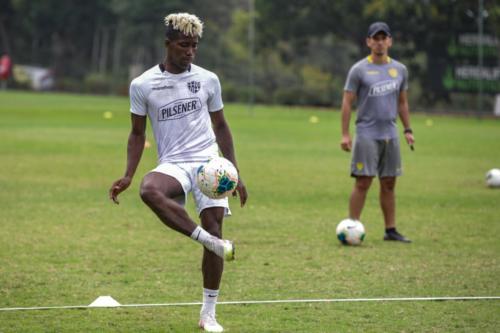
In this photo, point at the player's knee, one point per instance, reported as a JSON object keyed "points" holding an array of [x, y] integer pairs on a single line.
{"points": [[149, 193], [215, 232], [387, 185], [213, 229], [363, 184], [211, 220], [363, 187]]}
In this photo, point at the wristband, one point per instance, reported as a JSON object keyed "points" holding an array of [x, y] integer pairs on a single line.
{"points": [[408, 130]]}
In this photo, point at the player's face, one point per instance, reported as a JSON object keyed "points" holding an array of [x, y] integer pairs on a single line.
{"points": [[181, 52], [379, 44]]}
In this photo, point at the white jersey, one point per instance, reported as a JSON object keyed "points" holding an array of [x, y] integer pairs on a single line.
{"points": [[178, 107]]}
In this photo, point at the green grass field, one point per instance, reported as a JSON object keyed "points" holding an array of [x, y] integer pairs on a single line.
{"points": [[62, 242]]}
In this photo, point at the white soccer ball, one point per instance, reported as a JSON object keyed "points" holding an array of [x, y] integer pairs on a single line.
{"points": [[350, 232], [493, 178], [217, 178]]}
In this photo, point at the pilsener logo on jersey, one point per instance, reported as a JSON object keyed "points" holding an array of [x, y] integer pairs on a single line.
{"points": [[383, 88], [179, 108]]}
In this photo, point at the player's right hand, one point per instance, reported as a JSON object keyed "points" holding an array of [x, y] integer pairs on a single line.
{"points": [[119, 186], [346, 143]]}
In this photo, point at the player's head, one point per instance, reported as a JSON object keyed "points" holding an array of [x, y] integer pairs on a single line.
{"points": [[379, 38], [181, 38]]}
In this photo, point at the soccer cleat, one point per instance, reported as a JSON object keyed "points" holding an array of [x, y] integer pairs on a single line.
{"points": [[396, 236], [209, 324], [221, 247]]}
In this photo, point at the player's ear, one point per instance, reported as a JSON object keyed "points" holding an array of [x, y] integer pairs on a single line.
{"points": [[167, 42], [368, 41]]}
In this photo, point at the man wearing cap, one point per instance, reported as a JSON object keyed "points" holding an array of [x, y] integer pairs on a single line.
{"points": [[379, 84]]}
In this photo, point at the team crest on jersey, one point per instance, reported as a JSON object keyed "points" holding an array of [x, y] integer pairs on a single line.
{"points": [[393, 72], [194, 86]]}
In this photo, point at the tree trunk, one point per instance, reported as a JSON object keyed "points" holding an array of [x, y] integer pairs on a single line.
{"points": [[103, 58], [95, 49], [117, 48]]}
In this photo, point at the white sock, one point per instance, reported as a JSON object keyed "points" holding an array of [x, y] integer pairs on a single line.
{"points": [[201, 235], [209, 300]]}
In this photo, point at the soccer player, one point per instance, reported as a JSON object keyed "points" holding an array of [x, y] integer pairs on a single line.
{"points": [[184, 105], [380, 86]]}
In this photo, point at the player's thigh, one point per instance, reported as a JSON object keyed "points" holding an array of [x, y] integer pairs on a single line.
{"points": [[156, 186], [365, 157], [390, 159], [171, 180]]}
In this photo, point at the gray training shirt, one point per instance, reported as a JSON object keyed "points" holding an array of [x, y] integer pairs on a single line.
{"points": [[377, 88]]}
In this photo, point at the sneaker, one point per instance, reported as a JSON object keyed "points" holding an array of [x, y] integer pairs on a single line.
{"points": [[396, 236], [221, 247], [209, 324]]}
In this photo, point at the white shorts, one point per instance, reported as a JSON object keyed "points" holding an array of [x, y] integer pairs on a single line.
{"points": [[185, 173]]}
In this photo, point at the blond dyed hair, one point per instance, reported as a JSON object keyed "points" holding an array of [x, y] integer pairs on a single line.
{"points": [[188, 24]]}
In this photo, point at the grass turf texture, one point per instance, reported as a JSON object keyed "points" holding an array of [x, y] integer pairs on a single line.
{"points": [[62, 242]]}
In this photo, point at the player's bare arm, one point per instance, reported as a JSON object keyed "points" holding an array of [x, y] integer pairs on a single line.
{"points": [[225, 142], [135, 147], [404, 115], [347, 100]]}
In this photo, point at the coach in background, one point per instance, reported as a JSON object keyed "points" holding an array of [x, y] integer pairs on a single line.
{"points": [[380, 86], [184, 105]]}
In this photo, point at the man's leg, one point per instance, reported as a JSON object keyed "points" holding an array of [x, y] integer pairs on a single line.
{"points": [[212, 267], [358, 196], [158, 192], [388, 201], [388, 205]]}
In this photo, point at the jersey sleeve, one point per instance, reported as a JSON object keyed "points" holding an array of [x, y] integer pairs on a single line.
{"points": [[353, 80], [138, 103], [404, 83], [214, 101]]}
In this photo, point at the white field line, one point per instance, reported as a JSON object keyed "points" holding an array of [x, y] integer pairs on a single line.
{"points": [[321, 300]]}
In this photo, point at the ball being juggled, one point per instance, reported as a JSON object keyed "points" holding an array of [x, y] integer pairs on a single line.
{"points": [[217, 178]]}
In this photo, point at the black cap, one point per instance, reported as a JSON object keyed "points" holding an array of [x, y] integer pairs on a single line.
{"points": [[379, 27]]}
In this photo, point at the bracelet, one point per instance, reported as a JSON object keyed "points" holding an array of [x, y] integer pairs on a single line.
{"points": [[408, 130]]}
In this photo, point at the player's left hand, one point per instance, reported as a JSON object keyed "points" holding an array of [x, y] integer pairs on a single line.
{"points": [[241, 191], [410, 139]]}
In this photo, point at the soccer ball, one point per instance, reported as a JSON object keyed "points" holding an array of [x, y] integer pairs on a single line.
{"points": [[217, 178], [493, 178], [350, 232]]}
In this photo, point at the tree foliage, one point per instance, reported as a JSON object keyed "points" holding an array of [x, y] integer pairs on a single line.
{"points": [[302, 52]]}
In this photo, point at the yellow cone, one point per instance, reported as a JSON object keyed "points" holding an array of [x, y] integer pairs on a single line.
{"points": [[314, 120]]}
